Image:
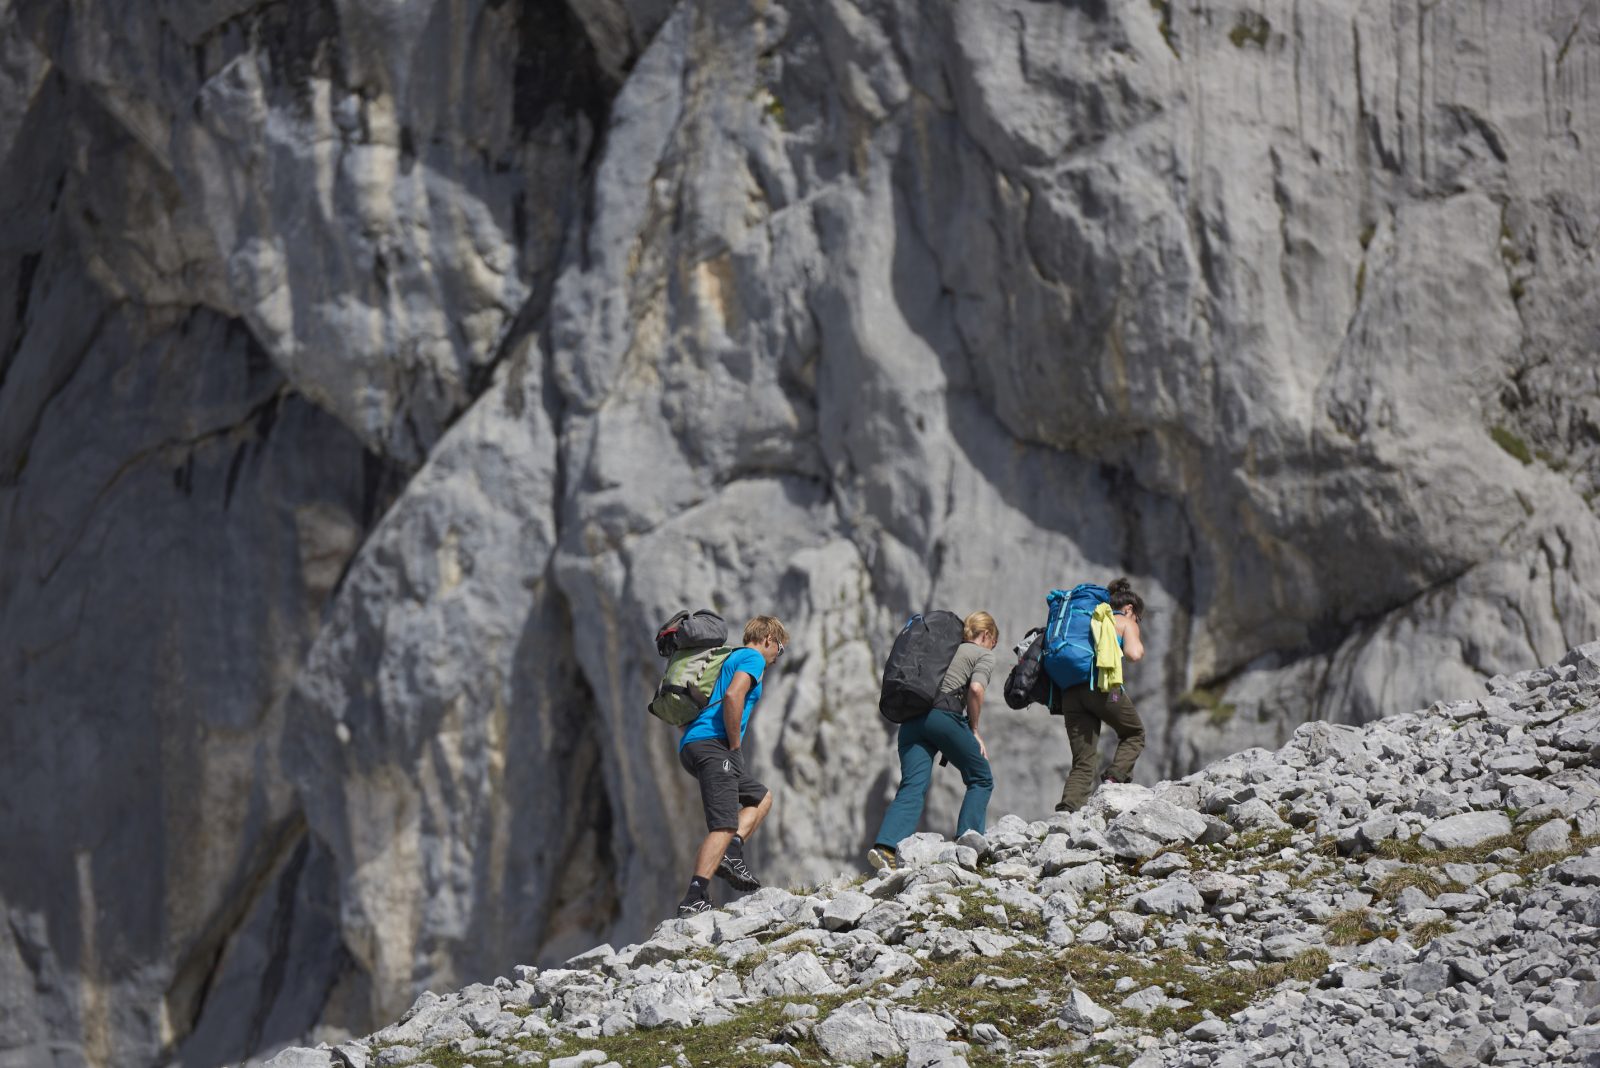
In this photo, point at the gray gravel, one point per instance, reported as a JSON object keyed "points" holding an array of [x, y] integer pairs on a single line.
{"points": [[1486, 954]]}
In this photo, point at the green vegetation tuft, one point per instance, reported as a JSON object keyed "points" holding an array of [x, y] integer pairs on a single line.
{"points": [[1550, 459], [706, 1046], [1252, 28], [1163, 9], [1309, 966], [1355, 927], [1512, 444], [1423, 933], [1263, 841], [1413, 852], [1420, 878], [1208, 699]]}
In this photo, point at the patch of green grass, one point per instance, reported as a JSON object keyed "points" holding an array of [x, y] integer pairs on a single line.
{"points": [[1354, 927], [1252, 28], [1511, 443], [1423, 933], [973, 901], [1271, 840], [706, 1046], [1309, 966], [1413, 852], [1550, 460], [1100, 1052], [1420, 878], [1407, 849], [749, 963], [1529, 863], [1050, 978], [774, 109]]}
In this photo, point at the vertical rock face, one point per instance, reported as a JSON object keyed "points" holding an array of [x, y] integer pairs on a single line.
{"points": [[373, 377]]}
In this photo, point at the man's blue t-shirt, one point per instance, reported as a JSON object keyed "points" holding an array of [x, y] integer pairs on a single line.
{"points": [[708, 724]]}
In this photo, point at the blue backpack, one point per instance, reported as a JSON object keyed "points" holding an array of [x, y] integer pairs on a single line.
{"points": [[1068, 641]]}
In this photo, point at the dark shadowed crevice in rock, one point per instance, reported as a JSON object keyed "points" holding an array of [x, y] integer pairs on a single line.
{"points": [[278, 864], [557, 71], [273, 978]]}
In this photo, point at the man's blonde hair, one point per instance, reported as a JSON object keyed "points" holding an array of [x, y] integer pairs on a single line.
{"points": [[761, 628], [979, 624]]}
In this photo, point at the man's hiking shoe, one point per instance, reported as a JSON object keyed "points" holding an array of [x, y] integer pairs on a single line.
{"points": [[693, 906], [881, 858], [737, 874]]}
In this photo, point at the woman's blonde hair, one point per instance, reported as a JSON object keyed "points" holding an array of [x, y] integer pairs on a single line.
{"points": [[978, 624], [761, 628]]}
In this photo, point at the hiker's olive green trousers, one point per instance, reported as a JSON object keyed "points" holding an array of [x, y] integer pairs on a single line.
{"points": [[1084, 709]]}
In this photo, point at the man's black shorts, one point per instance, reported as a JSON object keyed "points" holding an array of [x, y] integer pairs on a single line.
{"points": [[724, 786]]}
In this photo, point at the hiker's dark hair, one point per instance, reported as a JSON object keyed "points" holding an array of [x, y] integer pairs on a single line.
{"points": [[1122, 595]]}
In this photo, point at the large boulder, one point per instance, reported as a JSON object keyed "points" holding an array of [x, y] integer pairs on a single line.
{"points": [[1152, 826], [1465, 829]]}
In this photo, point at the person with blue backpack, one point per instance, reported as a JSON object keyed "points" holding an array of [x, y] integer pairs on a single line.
{"points": [[1092, 629]]}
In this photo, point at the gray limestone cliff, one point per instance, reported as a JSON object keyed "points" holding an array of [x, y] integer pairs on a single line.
{"points": [[375, 375]]}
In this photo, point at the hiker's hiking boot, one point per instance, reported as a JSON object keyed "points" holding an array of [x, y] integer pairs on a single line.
{"points": [[737, 874], [690, 906], [881, 858]]}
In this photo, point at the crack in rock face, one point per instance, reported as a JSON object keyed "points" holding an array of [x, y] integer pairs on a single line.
{"points": [[1465, 935], [376, 374]]}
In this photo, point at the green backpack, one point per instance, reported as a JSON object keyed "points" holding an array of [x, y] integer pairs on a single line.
{"points": [[692, 644], [686, 687]]}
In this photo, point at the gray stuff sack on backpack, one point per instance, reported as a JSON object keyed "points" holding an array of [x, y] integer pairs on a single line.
{"points": [[702, 629]]}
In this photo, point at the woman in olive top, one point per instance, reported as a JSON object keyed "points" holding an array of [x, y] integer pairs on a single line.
{"points": [[1084, 708], [950, 730]]}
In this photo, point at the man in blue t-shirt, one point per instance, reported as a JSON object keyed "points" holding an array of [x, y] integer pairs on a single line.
{"points": [[711, 751]]}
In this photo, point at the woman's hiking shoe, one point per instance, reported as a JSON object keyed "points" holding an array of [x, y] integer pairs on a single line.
{"points": [[881, 858], [737, 874], [689, 906]]}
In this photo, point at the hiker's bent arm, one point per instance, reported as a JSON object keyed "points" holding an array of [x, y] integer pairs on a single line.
{"points": [[974, 704], [974, 710], [733, 706], [1132, 646]]}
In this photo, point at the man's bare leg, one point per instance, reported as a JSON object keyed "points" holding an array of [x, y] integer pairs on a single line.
{"points": [[750, 818], [711, 850]]}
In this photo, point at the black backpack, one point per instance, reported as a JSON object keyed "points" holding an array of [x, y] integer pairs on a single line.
{"points": [[921, 655], [1028, 682]]}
